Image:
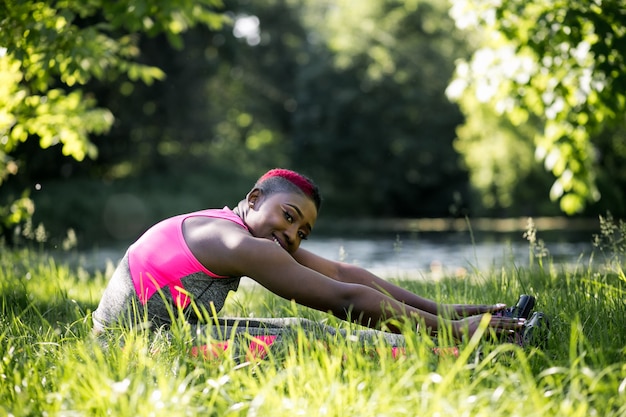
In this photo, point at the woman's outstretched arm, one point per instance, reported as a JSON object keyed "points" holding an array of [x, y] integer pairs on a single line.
{"points": [[345, 272], [364, 304], [235, 253]]}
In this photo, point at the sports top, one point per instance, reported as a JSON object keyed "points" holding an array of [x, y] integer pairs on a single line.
{"points": [[160, 258]]}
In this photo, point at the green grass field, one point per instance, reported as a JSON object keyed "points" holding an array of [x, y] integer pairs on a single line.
{"points": [[52, 366]]}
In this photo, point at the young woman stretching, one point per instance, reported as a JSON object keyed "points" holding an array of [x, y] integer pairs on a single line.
{"points": [[188, 262]]}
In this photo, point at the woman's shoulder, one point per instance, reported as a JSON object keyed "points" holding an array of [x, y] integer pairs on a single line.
{"points": [[215, 220], [215, 241], [223, 213]]}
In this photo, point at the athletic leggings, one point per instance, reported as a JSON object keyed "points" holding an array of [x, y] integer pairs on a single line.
{"points": [[255, 338]]}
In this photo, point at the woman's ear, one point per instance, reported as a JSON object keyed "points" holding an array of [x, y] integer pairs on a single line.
{"points": [[253, 197]]}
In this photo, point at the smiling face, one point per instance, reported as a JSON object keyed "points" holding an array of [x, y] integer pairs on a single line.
{"points": [[287, 218]]}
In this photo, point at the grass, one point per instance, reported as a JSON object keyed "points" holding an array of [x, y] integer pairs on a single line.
{"points": [[52, 366]]}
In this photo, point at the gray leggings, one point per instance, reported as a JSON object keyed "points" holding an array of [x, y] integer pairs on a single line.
{"points": [[254, 338], [228, 326]]}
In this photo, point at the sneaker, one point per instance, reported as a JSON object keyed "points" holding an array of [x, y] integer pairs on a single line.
{"points": [[535, 331], [522, 309]]}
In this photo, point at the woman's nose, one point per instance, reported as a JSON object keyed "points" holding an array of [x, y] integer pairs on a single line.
{"points": [[292, 233]]}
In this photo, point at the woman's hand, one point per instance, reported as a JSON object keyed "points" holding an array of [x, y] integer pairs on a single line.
{"points": [[501, 325]]}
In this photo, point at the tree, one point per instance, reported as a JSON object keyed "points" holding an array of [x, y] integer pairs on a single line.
{"points": [[373, 123], [555, 69], [50, 50]]}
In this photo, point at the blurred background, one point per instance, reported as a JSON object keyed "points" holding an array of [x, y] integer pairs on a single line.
{"points": [[399, 110]]}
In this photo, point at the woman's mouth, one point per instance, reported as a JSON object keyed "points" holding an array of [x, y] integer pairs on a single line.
{"points": [[275, 239]]}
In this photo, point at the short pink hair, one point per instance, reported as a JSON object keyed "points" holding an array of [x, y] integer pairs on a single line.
{"points": [[304, 184]]}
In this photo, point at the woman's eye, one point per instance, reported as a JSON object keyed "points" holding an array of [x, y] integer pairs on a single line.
{"points": [[303, 236], [289, 217]]}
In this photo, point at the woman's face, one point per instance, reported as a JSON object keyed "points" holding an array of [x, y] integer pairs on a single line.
{"points": [[285, 218]]}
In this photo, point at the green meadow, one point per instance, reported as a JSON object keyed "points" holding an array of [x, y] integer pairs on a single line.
{"points": [[51, 365]]}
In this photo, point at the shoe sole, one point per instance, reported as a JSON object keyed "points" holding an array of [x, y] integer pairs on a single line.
{"points": [[536, 330]]}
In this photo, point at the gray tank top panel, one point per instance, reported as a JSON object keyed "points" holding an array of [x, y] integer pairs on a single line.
{"points": [[203, 290]]}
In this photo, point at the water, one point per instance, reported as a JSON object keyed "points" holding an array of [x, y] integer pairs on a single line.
{"points": [[442, 254], [409, 256]]}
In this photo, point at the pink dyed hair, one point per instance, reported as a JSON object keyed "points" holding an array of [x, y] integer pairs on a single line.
{"points": [[303, 183]]}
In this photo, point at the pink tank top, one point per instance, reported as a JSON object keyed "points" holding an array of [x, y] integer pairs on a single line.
{"points": [[161, 257]]}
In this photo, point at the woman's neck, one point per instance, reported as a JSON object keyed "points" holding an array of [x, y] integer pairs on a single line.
{"points": [[241, 209]]}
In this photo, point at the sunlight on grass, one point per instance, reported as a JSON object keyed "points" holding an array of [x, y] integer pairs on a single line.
{"points": [[52, 365]]}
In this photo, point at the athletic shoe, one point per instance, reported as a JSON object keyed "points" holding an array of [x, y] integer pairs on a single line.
{"points": [[536, 330], [522, 309]]}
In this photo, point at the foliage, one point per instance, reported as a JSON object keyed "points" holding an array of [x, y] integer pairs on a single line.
{"points": [[378, 112], [501, 163], [50, 51], [288, 94], [351, 94], [557, 66], [50, 364]]}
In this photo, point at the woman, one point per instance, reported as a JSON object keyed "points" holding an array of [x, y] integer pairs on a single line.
{"points": [[188, 263]]}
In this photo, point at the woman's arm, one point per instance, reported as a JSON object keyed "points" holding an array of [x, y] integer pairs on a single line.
{"points": [[354, 274], [231, 251], [362, 303]]}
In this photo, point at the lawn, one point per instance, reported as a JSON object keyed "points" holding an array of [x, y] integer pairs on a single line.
{"points": [[52, 366]]}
